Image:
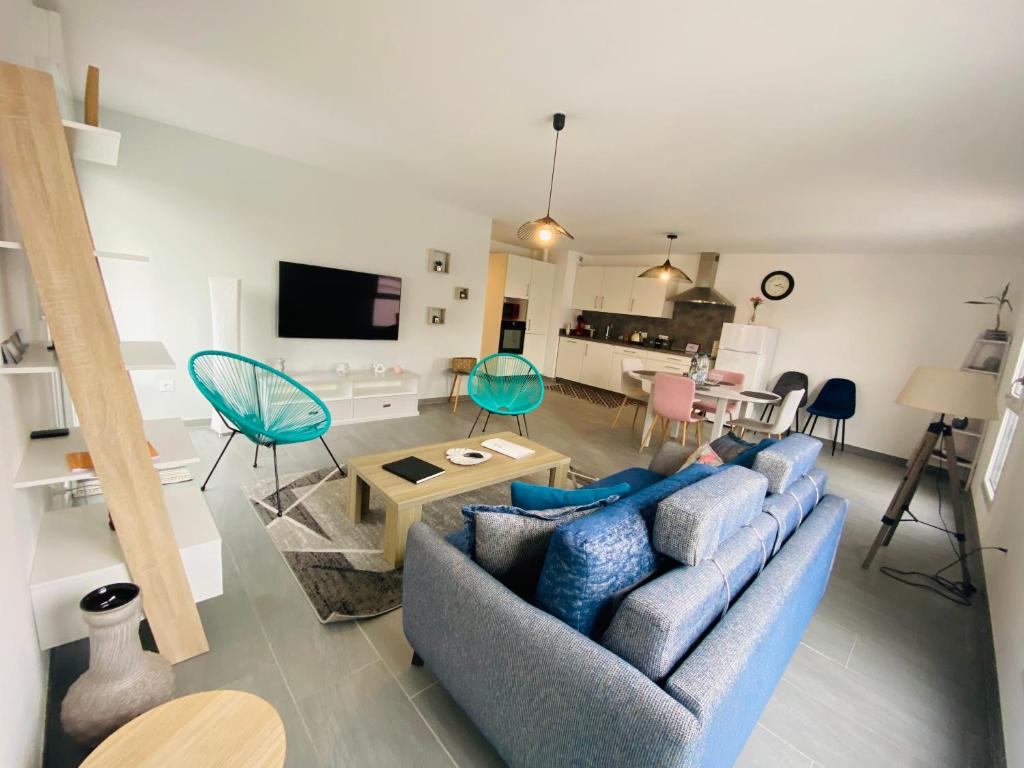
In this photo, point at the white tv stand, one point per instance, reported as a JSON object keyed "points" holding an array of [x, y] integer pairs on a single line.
{"points": [[364, 395]]}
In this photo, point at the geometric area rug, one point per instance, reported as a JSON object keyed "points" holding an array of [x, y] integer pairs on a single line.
{"points": [[339, 564]]}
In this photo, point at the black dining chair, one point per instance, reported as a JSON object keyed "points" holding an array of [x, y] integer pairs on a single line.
{"points": [[838, 401], [788, 382]]}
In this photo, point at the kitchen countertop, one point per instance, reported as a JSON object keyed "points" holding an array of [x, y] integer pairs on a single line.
{"points": [[621, 343]]}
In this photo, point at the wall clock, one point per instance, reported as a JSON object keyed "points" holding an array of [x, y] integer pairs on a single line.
{"points": [[777, 285]]}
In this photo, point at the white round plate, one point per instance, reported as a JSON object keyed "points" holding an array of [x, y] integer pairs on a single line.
{"points": [[458, 456]]}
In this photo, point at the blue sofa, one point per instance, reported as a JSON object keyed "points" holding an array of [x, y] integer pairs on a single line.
{"points": [[672, 671]]}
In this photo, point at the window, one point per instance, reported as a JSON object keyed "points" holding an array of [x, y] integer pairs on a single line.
{"points": [[1007, 428]]}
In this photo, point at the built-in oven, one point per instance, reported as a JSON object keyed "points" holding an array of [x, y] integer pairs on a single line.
{"points": [[513, 336]]}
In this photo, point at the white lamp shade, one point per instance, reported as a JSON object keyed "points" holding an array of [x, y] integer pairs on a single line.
{"points": [[954, 393]]}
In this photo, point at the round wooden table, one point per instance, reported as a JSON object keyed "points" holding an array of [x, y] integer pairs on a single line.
{"points": [[723, 393], [216, 729]]}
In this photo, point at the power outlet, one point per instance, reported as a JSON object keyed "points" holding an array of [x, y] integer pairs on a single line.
{"points": [[166, 385]]}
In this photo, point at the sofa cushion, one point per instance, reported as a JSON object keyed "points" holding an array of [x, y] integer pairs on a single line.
{"points": [[691, 523], [529, 496], [747, 458], [792, 506], [637, 478], [669, 458], [728, 446], [590, 561], [787, 461], [659, 622]]}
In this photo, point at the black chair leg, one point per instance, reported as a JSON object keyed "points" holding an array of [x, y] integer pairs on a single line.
{"points": [[767, 411], [526, 426], [519, 425], [474, 422], [417, 660], [277, 481], [340, 471], [835, 437], [842, 446], [810, 424], [222, 451], [256, 456], [487, 420], [796, 420]]}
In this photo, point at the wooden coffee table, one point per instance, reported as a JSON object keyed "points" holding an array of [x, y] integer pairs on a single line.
{"points": [[403, 501]]}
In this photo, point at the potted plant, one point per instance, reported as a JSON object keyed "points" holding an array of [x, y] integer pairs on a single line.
{"points": [[755, 302], [998, 302]]}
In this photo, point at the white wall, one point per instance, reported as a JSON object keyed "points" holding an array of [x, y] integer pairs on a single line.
{"points": [[23, 407], [1000, 524], [872, 319], [200, 207]]}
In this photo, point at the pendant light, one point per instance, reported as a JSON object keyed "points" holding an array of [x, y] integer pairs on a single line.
{"points": [[543, 230], [666, 271]]}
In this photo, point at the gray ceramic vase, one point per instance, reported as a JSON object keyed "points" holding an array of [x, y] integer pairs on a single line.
{"points": [[122, 681]]}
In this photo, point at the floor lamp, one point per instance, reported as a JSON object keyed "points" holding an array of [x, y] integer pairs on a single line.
{"points": [[950, 393]]}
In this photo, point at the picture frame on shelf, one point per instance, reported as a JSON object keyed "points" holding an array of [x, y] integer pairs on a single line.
{"points": [[462, 294], [435, 315]]}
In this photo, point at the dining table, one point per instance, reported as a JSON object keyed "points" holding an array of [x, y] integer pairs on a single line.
{"points": [[722, 393]]}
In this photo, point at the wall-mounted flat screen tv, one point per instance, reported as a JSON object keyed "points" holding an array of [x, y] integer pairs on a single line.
{"points": [[326, 303]]}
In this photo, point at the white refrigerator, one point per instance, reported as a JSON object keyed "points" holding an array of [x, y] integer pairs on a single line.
{"points": [[750, 350]]}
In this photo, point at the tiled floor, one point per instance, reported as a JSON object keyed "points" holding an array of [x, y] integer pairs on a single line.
{"points": [[886, 675]]}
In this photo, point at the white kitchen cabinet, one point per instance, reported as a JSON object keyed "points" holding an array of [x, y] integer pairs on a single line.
{"points": [[570, 359], [666, 362], [586, 292], [517, 277], [535, 349], [597, 363], [651, 296], [616, 290], [540, 292]]}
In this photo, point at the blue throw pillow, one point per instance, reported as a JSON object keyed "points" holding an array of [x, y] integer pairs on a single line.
{"points": [[592, 560], [527, 496], [637, 478]]}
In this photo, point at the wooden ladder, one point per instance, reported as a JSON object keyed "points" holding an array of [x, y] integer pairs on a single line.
{"points": [[47, 203]]}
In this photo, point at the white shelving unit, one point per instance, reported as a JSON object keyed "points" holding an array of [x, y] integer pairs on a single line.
{"points": [[92, 143], [44, 462], [987, 358], [10, 245], [138, 356], [77, 552]]}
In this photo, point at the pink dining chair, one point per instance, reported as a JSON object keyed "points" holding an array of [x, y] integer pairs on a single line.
{"points": [[710, 405], [672, 400]]}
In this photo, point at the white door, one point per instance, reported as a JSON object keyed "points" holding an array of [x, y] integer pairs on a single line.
{"points": [[649, 296], [535, 349], [517, 277], [538, 307], [587, 289], [570, 359], [616, 289], [597, 365]]}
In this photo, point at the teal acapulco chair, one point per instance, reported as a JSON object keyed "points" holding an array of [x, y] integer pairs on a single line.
{"points": [[265, 405], [505, 384]]}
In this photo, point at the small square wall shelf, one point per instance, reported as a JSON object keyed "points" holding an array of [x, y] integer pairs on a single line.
{"points": [[461, 294], [435, 315], [439, 261]]}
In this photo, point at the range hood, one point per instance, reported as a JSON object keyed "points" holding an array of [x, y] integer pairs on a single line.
{"points": [[704, 291]]}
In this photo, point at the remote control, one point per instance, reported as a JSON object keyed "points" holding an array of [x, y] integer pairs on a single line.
{"points": [[39, 434]]}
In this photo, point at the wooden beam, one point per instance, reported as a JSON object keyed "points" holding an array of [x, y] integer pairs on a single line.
{"points": [[92, 96], [47, 203]]}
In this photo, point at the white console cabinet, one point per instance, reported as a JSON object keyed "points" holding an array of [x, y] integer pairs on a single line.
{"points": [[364, 395]]}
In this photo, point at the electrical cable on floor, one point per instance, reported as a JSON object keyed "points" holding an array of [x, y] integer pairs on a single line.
{"points": [[958, 592]]}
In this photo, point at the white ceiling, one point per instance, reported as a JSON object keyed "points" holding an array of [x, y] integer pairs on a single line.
{"points": [[793, 125]]}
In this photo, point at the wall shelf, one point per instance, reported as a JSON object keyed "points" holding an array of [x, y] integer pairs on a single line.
{"points": [[92, 143], [138, 356], [44, 461], [76, 552], [10, 245]]}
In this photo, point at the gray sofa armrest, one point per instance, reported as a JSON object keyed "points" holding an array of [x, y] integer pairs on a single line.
{"points": [[542, 693]]}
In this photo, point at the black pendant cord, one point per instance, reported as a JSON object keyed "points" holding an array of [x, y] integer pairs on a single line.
{"points": [[551, 186]]}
